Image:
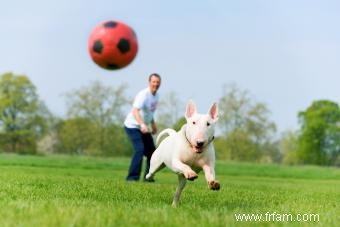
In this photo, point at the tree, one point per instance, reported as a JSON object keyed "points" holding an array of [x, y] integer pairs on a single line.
{"points": [[319, 140], [245, 125], [103, 106], [22, 114], [288, 147], [169, 110], [77, 136], [180, 122], [50, 141], [117, 143]]}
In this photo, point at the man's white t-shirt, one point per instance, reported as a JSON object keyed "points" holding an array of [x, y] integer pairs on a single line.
{"points": [[146, 102]]}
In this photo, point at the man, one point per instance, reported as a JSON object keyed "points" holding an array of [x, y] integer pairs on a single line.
{"points": [[139, 124]]}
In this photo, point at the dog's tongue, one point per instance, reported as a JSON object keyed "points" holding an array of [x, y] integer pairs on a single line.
{"points": [[197, 149]]}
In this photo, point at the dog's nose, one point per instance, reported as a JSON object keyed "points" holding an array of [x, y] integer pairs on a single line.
{"points": [[200, 144]]}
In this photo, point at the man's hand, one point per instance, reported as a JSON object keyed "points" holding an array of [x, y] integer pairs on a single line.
{"points": [[144, 128]]}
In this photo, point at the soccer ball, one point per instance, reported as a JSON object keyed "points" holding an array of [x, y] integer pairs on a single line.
{"points": [[112, 45]]}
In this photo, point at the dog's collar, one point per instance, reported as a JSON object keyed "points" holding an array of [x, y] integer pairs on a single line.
{"points": [[185, 135], [210, 140]]}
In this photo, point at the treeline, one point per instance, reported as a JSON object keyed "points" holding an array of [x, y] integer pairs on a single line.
{"points": [[94, 125]]}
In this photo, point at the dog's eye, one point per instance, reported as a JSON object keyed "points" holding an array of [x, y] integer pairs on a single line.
{"points": [[194, 122], [208, 124]]}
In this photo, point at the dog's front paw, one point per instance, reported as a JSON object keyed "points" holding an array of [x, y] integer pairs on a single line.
{"points": [[191, 175], [214, 185]]}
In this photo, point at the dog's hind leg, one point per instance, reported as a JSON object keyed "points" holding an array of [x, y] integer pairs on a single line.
{"points": [[181, 184], [153, 170], [155, 165]]}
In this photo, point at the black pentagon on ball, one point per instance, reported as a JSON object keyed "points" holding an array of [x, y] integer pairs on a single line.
{"points": [[123, 45], [112, 66], [97, 46], [110, 24]]}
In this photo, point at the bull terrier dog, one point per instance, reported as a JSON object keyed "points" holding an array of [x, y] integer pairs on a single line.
{"points": [[189, 150]]}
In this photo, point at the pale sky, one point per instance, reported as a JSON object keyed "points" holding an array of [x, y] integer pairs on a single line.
{"points": [[286, 53]]}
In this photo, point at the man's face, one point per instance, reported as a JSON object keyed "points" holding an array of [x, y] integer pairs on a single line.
{"points": [[154, 84]]}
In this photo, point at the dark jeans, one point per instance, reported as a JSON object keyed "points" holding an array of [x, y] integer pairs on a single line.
{"points": [[143, 145]]}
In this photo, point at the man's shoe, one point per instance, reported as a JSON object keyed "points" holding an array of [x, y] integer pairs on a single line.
{"points": [[151, 180], [131, 180]]}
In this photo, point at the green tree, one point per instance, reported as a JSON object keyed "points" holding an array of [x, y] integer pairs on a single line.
{"points": [[245, 126], [103, 106], [179, 123], [99, 103], [50, 141], [319, 141], [22, 114], [169, 110], [76, 136], [288, 147], [117, 143]]}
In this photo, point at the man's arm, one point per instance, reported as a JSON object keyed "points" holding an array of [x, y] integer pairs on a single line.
{"points": [[137, 116]]}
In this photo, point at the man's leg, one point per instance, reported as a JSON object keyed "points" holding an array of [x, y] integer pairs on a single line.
{"points": [[135, 137]]}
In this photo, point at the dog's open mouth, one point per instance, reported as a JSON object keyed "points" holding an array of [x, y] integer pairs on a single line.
{"points": [[198, 149]]}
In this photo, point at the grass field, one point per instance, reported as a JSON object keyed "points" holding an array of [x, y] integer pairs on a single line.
{"points": [[84, 191]]}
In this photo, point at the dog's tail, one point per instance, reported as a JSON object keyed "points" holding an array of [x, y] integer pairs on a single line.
{"points": [[168, 132]]}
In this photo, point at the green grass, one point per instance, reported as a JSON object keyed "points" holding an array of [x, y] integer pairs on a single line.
{"points": [[84, 191]]}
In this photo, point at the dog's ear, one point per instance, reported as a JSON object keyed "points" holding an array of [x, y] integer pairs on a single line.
{"points": [[190, 110], [213, 112]]}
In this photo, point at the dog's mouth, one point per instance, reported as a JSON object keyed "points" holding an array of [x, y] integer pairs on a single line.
{"points": [[198, 146], [198, 149]]}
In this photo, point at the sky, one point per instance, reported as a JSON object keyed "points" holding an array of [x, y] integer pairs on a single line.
{"points": [[285, 53]]}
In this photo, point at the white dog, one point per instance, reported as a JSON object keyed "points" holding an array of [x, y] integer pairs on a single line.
{"points": [[189, 150]]}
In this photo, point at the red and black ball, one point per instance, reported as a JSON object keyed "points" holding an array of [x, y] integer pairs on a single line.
{"points": [[113, 45]]}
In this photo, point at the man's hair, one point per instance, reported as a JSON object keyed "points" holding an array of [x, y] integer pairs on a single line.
{"points": [[154, 74]]}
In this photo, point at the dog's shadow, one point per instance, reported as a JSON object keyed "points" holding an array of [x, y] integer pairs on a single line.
{"points": [[196, 195]]}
